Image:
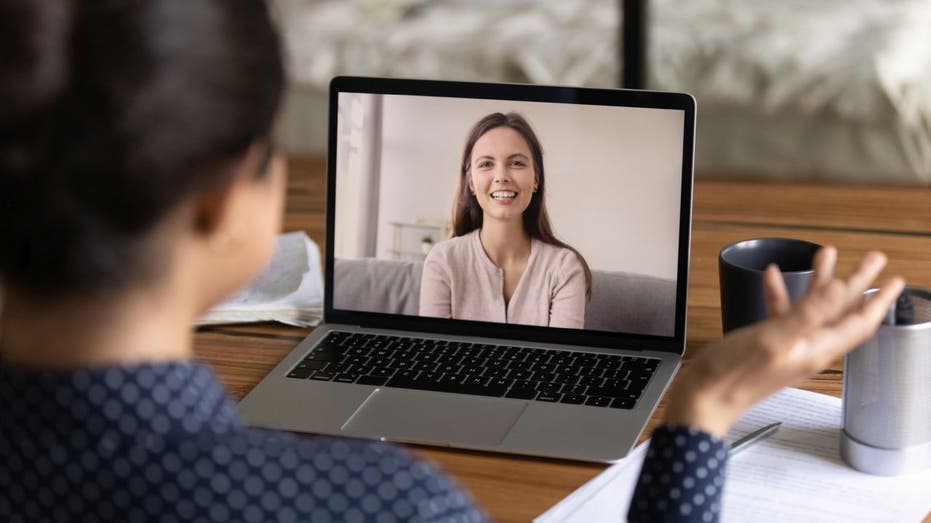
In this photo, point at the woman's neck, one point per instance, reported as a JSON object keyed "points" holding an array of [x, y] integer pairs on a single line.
{"points": [[504, 241], [134, 327]]}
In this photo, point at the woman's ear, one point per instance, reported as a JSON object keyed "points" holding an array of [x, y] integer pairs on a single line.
{"points": [[216, 219], [213, 205], [210, 207]]}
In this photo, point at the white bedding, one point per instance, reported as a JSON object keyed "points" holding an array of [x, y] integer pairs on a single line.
{"points": [[860, 69]]}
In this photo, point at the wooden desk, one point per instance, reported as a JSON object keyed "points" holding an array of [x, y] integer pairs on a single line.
{"points": [[516, 489]]}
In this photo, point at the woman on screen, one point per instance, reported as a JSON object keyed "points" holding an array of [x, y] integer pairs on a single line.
{"points": [[503, 263]]}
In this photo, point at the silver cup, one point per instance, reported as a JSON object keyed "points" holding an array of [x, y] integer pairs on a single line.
{"points": [[887, 392]]}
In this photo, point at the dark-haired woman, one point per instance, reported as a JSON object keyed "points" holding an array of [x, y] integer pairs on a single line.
{"points": [[139, 185], [503, 263]]}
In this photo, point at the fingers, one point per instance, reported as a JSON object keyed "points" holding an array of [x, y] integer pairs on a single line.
{"points": [[777, 297], [774, 289], [869, 268], [819, 306], [838, 298], [828, 298], [875, 308], [823, 267], [832, 342], [823, 264]]}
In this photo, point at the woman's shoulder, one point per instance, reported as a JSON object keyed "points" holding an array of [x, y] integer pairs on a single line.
{"points": [[556, 254], [459, 242]]}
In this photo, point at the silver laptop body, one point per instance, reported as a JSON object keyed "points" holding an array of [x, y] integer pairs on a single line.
{"points": [[619, 178]]}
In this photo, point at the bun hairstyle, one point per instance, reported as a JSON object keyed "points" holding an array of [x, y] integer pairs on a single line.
{"points": [[34, 36], [112, 112]]}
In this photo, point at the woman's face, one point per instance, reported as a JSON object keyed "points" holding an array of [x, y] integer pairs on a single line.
{"points": [[501, 174]]}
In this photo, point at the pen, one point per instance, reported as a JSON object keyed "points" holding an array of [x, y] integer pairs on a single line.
{"points": [[755, 436]]}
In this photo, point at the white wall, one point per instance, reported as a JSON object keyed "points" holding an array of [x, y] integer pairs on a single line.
{"points": [[355, 164], [612, 173]]}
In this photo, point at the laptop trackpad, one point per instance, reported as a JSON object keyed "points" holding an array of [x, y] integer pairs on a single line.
{"points": [[434, 417]]}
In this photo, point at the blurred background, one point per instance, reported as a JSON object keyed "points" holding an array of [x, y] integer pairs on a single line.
{"points": [[820, 90]]}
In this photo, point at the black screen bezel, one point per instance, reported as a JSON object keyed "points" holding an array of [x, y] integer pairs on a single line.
{"points": [[531, 93]]}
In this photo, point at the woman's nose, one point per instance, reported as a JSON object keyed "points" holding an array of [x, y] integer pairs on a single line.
{"points": [[502, 174]]}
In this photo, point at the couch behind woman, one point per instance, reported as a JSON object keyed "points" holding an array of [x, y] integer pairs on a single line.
{"points": [[620, 301]]}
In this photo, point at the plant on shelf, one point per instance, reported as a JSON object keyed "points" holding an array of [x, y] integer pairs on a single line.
{"points": [[426, 243]]}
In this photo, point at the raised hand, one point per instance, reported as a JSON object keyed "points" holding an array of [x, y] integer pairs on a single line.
{"points": [[751, 363]]}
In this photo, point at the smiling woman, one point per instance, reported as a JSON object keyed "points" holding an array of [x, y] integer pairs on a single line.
{"points": [[503, 263]]}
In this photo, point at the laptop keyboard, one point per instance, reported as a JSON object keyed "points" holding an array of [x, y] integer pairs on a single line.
{"points": [[598, 380]]}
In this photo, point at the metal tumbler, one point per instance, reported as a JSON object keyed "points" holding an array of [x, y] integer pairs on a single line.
{"points": [[887, 392]]}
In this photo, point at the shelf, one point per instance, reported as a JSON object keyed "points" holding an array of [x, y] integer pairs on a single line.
{"points": [[405, 245], [418, 225]]}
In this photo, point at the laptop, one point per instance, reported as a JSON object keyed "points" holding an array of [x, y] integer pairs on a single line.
{"points": [[425, 339]]}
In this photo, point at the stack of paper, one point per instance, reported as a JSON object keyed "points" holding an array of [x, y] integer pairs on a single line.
{"points": [[795, 475], [290, 290]]}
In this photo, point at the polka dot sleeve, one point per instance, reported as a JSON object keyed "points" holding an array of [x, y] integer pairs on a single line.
{"points": [[681, 479]]}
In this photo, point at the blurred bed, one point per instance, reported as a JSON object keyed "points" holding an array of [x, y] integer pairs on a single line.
{"points": [[790, 89]]}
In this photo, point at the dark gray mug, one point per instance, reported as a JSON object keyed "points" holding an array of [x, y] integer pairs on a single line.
{"points": [[740, 272]]}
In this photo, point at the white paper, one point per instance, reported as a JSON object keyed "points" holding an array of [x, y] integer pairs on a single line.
{"points": [[795, 475], [289, 290]]}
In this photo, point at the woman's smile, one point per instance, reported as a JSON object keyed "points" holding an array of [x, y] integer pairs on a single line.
{"points": [[503, 197]]}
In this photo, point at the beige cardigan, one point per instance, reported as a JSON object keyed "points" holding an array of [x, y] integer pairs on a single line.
{"points": [[460, 282]]}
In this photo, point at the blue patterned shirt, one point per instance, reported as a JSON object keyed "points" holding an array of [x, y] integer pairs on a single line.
{"points": [[682, 477], [163, 443]]}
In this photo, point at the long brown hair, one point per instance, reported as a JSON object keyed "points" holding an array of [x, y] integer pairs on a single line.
{"points": [[467, 214]]}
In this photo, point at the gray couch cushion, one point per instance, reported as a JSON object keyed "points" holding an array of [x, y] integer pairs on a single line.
{"points": [[374, 285], [630, 302], [620, 301]]}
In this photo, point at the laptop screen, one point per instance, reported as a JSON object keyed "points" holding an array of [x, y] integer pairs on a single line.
{"points": [[509, 211]]}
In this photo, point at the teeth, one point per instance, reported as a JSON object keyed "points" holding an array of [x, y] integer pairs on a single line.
{"points": [[504, 194]]}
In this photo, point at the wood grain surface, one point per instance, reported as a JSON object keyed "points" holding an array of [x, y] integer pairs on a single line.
{"points": [[516, 488]]}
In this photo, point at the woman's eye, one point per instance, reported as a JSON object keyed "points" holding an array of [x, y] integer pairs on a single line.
{"points": [[518, 163], [484, 164]]}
